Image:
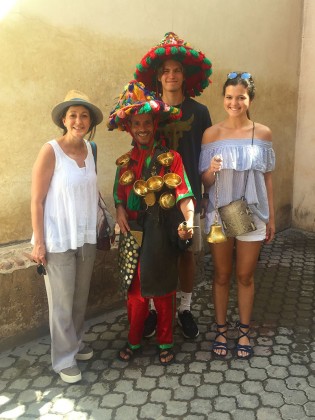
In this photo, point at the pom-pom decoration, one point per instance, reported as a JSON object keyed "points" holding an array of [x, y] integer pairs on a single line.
{"points": [[136, 99]]}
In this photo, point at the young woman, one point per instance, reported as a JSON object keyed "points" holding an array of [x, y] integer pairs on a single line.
{"points": [[237, 154]]}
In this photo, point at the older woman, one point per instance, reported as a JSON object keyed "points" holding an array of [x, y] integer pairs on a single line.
{"points": [[64, 208]]}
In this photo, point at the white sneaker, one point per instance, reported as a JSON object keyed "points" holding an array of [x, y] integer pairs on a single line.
{"points": [[85, 354], [71, 375]]}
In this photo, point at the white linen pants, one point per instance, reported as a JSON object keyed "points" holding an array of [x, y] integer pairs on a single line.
{"points": [[67, 284]]}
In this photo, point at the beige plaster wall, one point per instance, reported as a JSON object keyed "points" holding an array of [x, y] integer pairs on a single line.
{"points": [[304, 178], [48, 48]]}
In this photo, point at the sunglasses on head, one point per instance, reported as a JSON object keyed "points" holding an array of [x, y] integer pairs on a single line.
{"points": [[244, 76], [41, 270]]}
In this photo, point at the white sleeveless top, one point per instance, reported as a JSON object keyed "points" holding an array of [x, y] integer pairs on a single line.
{"points": [[71, 203]]}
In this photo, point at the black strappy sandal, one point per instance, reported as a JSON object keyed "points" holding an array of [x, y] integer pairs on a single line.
{"points": [[243, 347], [218, 345]]}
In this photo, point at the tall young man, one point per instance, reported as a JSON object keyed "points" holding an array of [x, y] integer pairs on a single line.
{"points": [[176, 72]]}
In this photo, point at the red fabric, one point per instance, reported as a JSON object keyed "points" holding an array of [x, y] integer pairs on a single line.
{"points": [[138, 310]]}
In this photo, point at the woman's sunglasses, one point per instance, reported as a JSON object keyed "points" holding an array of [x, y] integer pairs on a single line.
{"points": [[41, 270], [244, 76]]}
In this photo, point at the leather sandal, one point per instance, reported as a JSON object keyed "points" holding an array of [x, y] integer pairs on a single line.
{"points": [[165, 354], [244, 347], [218, 345], [127, 353]]}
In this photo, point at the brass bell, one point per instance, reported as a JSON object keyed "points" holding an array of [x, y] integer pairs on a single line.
{"points": [[127, 177], [216, 235], [165, 159], [123, 160], [167, 200], [172, 180], [150, 199], [155, 183], [140, 187]]}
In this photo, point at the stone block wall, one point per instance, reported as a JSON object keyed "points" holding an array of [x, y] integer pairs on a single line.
{"points": [[23, 300]]}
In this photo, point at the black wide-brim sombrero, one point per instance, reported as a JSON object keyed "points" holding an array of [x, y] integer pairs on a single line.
{"points": [[197, 67]]}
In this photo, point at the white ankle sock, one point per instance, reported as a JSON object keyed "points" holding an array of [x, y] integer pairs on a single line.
{"points": [[185, 300], [151, 305]]}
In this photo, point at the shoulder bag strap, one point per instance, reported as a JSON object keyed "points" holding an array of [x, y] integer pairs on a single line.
{"points": [[94, 151], [253, 133]]}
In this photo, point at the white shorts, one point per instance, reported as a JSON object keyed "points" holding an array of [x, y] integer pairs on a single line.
{"points": [[257, 235]]}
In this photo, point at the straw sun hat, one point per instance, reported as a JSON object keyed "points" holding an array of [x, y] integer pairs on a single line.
{"points": [[75, 98]]}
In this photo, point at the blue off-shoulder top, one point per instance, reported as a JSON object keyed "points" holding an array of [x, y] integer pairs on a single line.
{"points": [[240, 157]]}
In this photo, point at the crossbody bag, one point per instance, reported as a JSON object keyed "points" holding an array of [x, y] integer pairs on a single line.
{"points": [[237, 217]]}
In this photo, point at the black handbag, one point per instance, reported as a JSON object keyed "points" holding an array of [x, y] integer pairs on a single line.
{"points": [[105, 227]]}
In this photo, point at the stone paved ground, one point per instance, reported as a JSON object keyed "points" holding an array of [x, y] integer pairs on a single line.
{"points": [[277, 383]]}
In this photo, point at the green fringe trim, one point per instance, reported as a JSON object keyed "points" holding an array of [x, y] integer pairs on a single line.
{"points": [[208, 72], [148, 60], [174, 50], [134, 347], [207, 61], [166, 346]]}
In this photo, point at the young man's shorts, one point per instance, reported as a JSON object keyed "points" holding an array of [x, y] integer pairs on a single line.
{"points": [[256, 235]]}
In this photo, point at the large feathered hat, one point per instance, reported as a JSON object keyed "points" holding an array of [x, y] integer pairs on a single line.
{"points": [[136, 99], [196, 66]]}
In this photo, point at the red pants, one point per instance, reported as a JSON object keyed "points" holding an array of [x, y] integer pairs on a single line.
{"points": [[138, 310]]}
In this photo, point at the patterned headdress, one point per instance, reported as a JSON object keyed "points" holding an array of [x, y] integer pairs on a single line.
{"points": [[197, 67], [136, 99]]}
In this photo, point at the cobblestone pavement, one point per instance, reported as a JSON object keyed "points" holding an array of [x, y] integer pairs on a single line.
{"points": [[277, 383]]}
